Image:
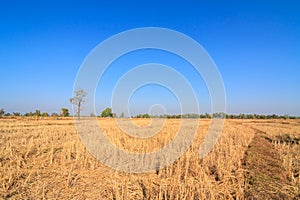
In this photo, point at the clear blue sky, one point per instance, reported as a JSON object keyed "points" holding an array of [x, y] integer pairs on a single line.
{"points": [[255, 44]]}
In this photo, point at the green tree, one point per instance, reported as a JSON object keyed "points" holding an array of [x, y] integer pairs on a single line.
{"points": [[78, 100], [16, 114], [274, 116], [54, 115], [64, 112], [2, 112], [250, 116], [286, 117], [107, 113], [242, 116], [37, 113], [143, 115], [122, 115], [208, 116], [262, 117], [30, 114], [45, 114]]}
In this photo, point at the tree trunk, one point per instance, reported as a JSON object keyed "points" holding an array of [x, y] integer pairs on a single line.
{"points": [[78, 112]]}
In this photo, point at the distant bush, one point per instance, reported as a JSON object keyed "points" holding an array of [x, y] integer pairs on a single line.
{"points": [[64, 112], [107, 113]]}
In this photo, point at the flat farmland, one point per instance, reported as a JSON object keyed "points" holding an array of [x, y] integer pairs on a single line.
{"points": [[253, 159]]}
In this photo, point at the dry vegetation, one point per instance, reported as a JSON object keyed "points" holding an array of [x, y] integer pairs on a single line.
{"points": [[46, 159]]}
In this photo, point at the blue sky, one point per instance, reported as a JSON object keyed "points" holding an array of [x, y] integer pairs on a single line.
{"points": [[255, 44]]}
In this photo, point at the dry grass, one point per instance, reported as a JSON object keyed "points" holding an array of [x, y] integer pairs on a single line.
{"points": [[46, 159]]}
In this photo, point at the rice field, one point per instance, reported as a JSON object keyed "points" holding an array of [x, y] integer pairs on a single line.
{"points": [[45, 159]]}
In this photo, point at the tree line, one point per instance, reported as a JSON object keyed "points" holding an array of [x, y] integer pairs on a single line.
{"points": [[64, 112], [219, 115], [79, 98], [107, 113]]}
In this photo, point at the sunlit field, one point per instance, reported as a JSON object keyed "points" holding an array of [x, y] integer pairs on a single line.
{"points": [[253, 159]]}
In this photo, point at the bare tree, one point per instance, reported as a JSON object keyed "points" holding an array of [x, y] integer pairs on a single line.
{"points": [[78, 100]]}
